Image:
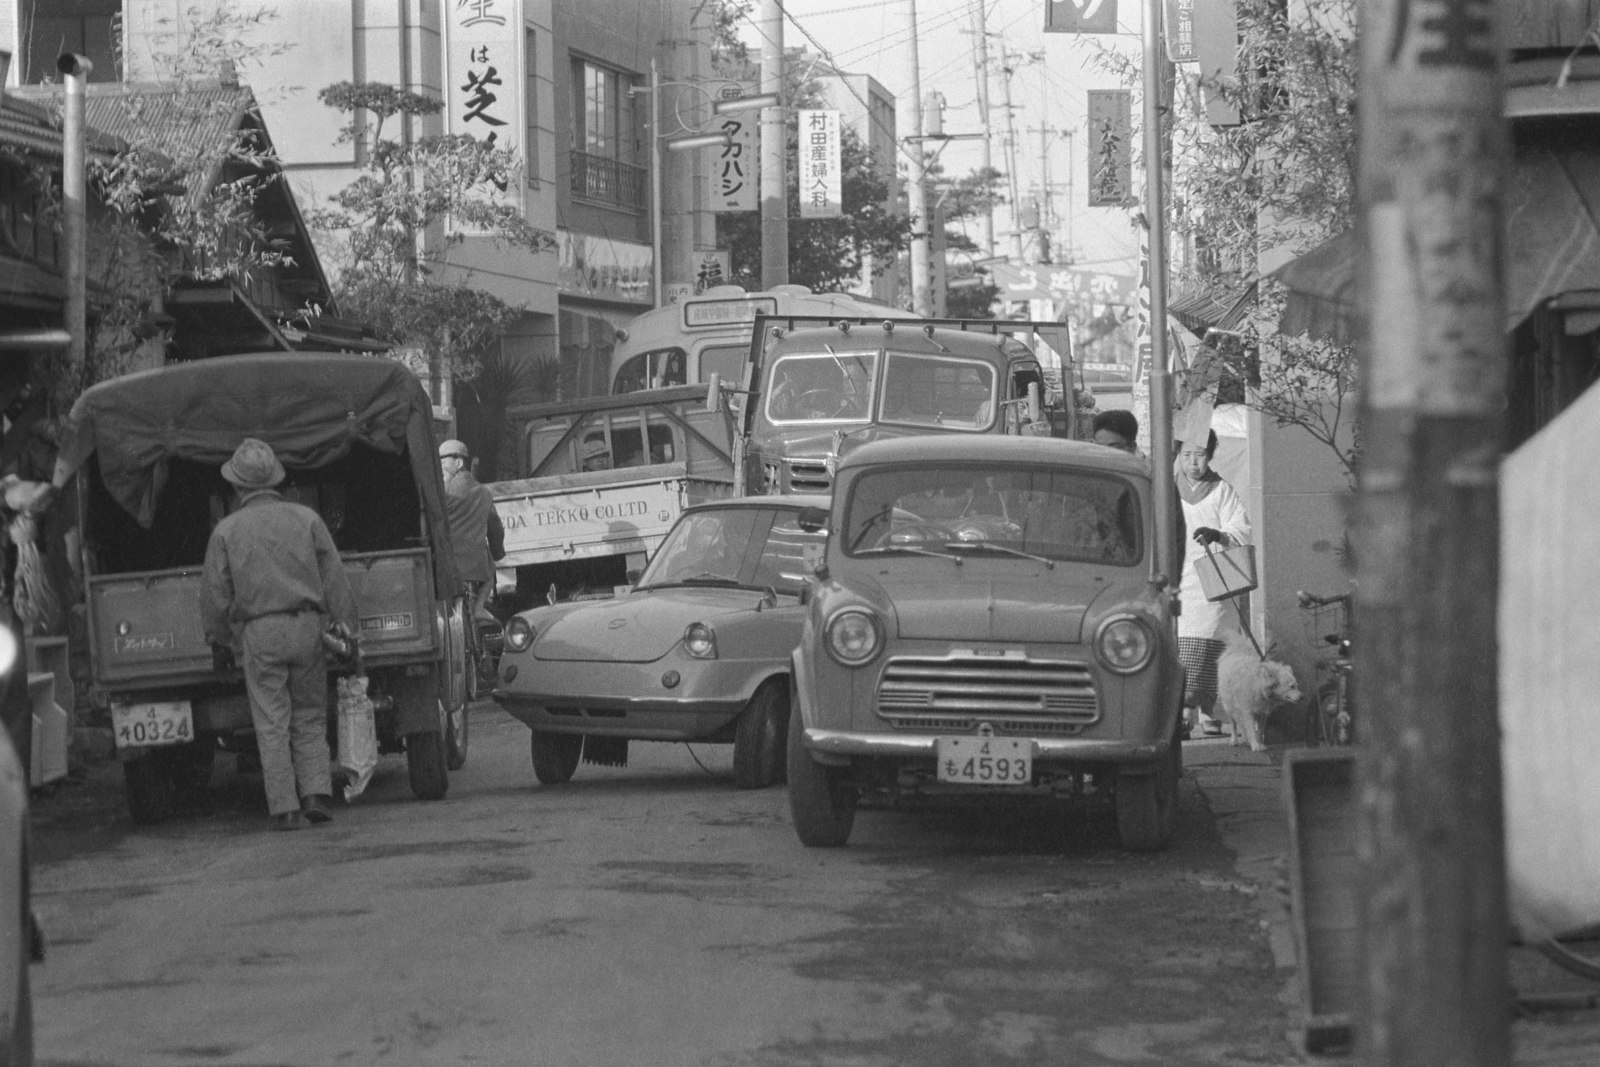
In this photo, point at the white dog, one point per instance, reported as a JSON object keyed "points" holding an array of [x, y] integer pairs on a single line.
{"points": [[1249, 688]]}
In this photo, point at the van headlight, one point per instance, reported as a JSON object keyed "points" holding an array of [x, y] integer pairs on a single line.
{"points": [[519, 634], [853, 636], [1124, 644]]}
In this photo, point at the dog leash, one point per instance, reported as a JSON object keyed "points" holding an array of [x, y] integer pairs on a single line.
{"points": [[1244, 624]]}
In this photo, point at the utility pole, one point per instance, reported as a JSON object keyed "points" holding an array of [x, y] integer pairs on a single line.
{"points": [[917, 190], [1155, 208], [980, 46], [1046, 208], [75, 71], [774, 151], [1430, 832], [1006, 68]]}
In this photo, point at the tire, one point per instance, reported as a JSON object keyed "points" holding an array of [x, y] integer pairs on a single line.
{"points": [[150, 788], [195, 764], [759, 738], [555, 756], [428, 762], [822, 800], [456, 738], [1147, 804]]}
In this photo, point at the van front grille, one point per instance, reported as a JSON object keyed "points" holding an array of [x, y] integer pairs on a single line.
{"points": [[1011, 693]]}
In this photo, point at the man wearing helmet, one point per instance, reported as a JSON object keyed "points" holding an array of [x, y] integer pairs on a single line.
{"points": [[475, 531]]}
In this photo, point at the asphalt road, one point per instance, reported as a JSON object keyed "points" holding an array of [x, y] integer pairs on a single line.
{"points": [[647, 915]]}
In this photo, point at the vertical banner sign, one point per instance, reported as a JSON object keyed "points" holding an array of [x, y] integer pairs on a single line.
{"points": [[1080, 16], [820, 168], [734, 181], [484, 81], [1179, 27], [1110, 147], [1216, 49]]}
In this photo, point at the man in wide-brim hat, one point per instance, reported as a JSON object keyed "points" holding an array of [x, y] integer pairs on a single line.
{"points": [[273, 579]]}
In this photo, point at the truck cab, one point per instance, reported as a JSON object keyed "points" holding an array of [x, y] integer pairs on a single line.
{"points": [[825, 388]]}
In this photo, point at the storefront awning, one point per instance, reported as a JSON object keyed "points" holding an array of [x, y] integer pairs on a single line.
{"points": [[1552, 247]]}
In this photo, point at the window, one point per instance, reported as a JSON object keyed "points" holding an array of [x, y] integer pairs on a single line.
{"points": [[530, 107], [604, 119], [604, 143], [87, 27]]}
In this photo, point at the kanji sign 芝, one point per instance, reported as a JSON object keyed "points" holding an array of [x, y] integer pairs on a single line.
{"points": [[484, 79]]}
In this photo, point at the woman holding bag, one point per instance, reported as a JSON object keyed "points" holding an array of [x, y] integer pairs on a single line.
{"points": [[1214, 514]]}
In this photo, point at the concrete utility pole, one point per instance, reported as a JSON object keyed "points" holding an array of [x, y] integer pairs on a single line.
{"points": [[1430, 835], [1006, 55], [980, 47], [774, 151], [75, 70], [917, 189], [1155, 208]]}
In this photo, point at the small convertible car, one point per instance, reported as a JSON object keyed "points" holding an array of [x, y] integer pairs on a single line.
{"points": [[697, 650], [987, 621]]}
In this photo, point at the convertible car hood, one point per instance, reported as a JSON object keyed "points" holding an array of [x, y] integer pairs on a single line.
{"points": [[994, 608], [637, 628]]}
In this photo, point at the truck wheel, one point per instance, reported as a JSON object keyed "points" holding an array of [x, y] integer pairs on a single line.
{"points": [[151, 791], [555, 756], [1147, 804], [427, 761], [822, 800], [456, 738], [758, 738], [195, 763]]}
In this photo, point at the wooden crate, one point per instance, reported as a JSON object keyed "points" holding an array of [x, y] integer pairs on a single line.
{"points": [[1319, 796]]}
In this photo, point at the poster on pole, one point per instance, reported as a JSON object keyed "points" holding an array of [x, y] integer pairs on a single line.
{"points": [[1179, 30], [1110, 147], [484, 83], [1080, 16], [821, 173], [711, 269]]}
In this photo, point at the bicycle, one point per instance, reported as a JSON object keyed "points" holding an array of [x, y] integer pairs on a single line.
{"points": [[1330, 719]]}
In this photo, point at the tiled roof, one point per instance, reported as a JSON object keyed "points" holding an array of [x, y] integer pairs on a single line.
{"points": [[33, 125]]}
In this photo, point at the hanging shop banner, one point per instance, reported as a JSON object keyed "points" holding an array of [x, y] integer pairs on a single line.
{"points": [[484, 81], [733, 177], [820, 169], [603, 268], [1110, 147], [1039, 282], [1216, 48], [1179, 28], [1080, 16]]}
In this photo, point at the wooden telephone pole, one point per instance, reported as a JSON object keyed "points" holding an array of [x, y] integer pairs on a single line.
{"points": [[1430, 835]]}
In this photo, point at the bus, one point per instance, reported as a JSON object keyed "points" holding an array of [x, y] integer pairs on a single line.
{"points": [[687, 342]]}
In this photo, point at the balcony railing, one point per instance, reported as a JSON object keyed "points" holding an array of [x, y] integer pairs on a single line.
{"points": [[609, 181]]}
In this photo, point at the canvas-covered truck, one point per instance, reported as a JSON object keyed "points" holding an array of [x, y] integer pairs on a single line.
{"points": [[355, 435], [648, 454]]}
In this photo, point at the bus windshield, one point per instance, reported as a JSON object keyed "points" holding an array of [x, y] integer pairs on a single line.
{"points": [[821, 387]]}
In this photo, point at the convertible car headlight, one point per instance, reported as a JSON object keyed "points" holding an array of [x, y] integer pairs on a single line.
{"points": [[519, 634], [853, 637], [1124, 644], [700, 641]]}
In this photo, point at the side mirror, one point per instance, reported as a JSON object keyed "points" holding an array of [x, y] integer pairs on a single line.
{"points": [[714, 392], [1035, 403], [812, 519]]}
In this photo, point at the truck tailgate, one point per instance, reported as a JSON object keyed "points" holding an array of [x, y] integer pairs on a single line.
{"points": [[145, 628], [545, 523]]}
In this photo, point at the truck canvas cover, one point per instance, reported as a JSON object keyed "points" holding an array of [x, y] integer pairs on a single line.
{"points": [[311, 407]]}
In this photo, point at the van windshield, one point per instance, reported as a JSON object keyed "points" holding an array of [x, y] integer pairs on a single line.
{"points": [[1078, 515], [821, 387]]}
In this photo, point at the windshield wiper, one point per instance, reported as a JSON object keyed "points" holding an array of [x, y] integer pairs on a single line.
{"points": [[880, 550], [694, 579], [990, 546]]}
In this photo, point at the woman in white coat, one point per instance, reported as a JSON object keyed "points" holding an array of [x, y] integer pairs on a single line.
{"points": [[1213, 514]]}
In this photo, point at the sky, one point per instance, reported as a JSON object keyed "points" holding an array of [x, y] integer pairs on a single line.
{"points": [[1052, 73]]}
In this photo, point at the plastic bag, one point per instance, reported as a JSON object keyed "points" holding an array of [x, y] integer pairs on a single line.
{"points": [[358, 735]]}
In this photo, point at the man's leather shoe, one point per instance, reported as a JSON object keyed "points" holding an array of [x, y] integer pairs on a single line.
{"points": [[288, 820], [316, 808]]}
